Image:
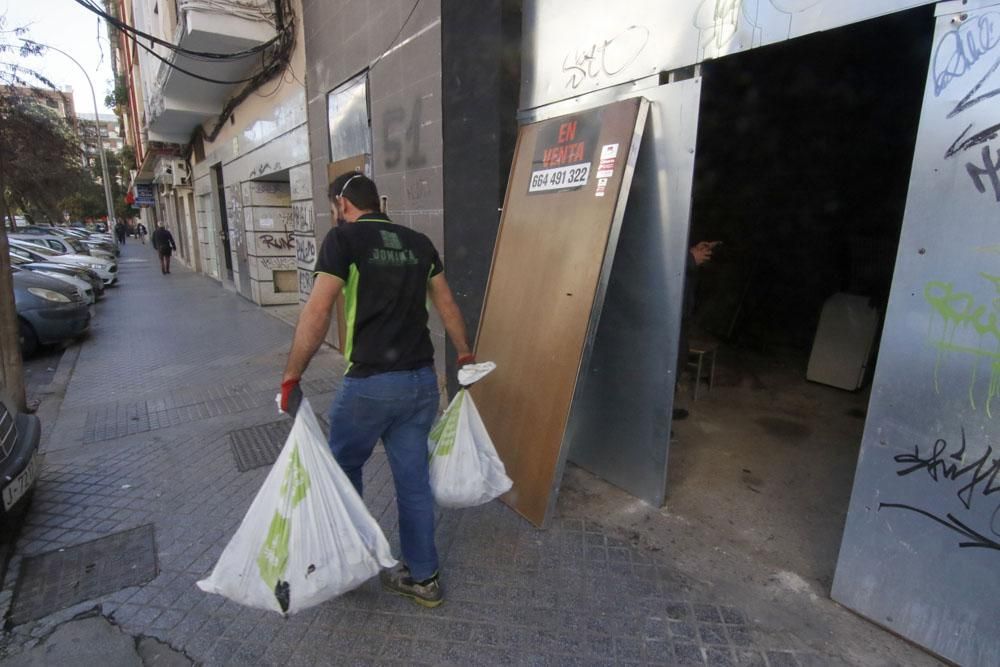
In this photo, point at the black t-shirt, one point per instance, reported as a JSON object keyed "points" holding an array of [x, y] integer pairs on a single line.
{"points": [[385, 268]]}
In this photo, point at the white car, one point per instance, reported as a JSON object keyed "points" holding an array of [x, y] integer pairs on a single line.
{"points": [[107, 270], [64, 245]]}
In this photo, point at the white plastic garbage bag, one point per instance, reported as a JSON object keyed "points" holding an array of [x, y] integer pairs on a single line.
{"points": [[464, 467], [307, 536]]}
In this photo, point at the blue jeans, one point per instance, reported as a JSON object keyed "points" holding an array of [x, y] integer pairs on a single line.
{"points": [[399, 408]]}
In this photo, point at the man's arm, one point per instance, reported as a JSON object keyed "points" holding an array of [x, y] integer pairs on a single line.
{"points": [[313, 324], [451, 316]]}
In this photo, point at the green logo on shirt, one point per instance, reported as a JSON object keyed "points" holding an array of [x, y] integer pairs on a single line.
{"points": [[391, 240], [384, 257]]}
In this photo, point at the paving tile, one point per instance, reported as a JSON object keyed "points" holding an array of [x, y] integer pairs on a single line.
{"points": [[782, 659], [180, 366]]}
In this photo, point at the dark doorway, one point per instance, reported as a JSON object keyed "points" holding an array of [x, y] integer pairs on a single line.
{"points": [[220, 193], [802, 169]]}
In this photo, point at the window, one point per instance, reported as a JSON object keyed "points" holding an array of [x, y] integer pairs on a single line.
{"points": [[52, 104]]}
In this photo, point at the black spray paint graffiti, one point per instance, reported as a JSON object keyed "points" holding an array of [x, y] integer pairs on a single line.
{"points": [[286, 242], [393, 118], [978, 478], [606, 58], [956, 53], [305, 250], [264, 168], [305, 282], [989, 170]]}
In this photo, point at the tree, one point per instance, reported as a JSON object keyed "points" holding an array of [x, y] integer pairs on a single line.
{"points": [[42, 157], [12, 76]]}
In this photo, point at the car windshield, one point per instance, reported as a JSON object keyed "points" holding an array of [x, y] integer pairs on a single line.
{"points": [[76, 245], [39, 250]]}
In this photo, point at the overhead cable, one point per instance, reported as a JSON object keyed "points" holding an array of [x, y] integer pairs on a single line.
{"points": [[133, 32]]}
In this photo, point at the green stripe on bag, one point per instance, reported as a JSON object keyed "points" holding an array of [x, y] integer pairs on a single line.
{"points": [[443, 434], [273, 557]]}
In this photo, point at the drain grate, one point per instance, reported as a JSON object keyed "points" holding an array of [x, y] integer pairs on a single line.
{"points": [[259, 445], [58, 579]]}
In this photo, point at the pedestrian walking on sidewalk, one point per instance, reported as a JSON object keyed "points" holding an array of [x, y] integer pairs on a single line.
{"points": [[120, 230], [140, 231], [386, 272], [163, 243]]}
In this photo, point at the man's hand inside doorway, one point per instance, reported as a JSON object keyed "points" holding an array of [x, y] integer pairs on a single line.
{"points": [[702, 252]]}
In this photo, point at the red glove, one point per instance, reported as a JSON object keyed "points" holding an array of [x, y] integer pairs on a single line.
{"points": [[291, 396], [465, 359]]}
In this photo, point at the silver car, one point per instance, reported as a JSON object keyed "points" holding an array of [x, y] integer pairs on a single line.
{"points": [[106, 269], [64, 245]]}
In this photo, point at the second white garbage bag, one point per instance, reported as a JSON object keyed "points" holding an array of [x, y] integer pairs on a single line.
{"points": [[307, 536], [464, 467]]}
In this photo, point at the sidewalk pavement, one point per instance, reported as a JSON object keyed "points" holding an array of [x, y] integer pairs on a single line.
{"points": [[173, 365]]}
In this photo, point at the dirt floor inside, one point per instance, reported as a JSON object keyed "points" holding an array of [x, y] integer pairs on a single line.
{"points": [[760, 479], [767, 458]]}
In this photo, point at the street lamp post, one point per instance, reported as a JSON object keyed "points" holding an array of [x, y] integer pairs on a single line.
{"points": [[100, 137]]}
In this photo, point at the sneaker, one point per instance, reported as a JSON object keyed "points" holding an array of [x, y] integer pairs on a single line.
{"points": [[425, 593]]}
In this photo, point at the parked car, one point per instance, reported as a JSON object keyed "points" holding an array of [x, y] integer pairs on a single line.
{"points": [[65, 245], [107, 270], [23, 260], [48, 311], [19, 437], [82, 287], [93, 240]]}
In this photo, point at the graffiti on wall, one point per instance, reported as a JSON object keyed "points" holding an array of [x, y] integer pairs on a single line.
{"points": [[305, 250], [408, 147], [301, 219], [263, 168], [974, 479], [284, 241], [967, 328], [956, 54], [276, 263], [606, 57], [306, 279]]}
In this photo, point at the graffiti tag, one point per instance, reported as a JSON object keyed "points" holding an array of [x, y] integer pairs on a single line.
{"points": [[305, 282], [962, 314], [606, 58], [989, 171], [960, 49], [719, 21], [305, 250], [978, 478], [286, 242]]}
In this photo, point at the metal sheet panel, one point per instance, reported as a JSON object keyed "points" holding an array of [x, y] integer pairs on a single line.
{"points": [[347, 119], [564, 206], [619, 428], [922, 543], [572, 47]]}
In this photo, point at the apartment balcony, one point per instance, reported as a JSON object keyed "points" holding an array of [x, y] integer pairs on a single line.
{"points": [[177, 102]]}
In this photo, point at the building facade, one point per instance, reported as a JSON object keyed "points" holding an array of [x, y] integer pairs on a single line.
{"points": [[111, 137], [733, 148], [427, 98], [219, 118]]}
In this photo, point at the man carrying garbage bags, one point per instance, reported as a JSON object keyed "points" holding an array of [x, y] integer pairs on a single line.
{"points": [[386, 273]]}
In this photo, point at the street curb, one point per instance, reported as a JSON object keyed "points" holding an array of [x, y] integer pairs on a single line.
{"points": [[52, 397]]}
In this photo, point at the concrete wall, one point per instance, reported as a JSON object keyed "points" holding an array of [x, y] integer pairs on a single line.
{"points": [[346, 37]]}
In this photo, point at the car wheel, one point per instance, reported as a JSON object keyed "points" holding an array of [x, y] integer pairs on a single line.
{"points": [[27, 338]]}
